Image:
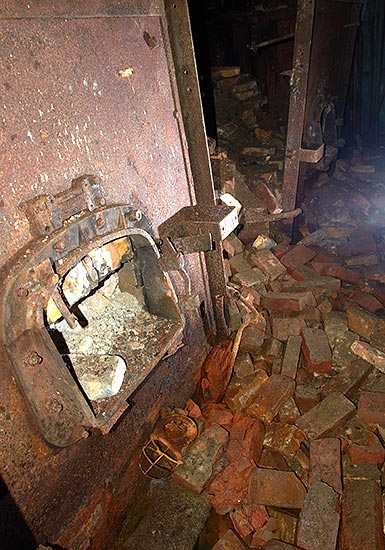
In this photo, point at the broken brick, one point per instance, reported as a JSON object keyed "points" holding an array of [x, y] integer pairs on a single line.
{"points": [[319, 519], [289, 412], [284, 438], [253, 336], [298, 256], [268, 197], [229, 541], [217, 413], [285, 327], [326, 416], [369, 354], [361, 244], [349, 379], [272, 394], [266, 261], [239, 264], [247, 518], [246, 438], [371, 453], [291, 356], [335, 270], [240, 397], [361, 525], [272, 459], [359, 471], [276, 488], [316, 350], [361, 322], [306, 397], [243, 365], [287, 301], [230, 486], [366, 300], [371, 407], [286, 528], [253, 277], [198, 463], [217, 371], [233, 245], [325, 462]]}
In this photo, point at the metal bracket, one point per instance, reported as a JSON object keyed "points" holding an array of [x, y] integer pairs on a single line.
{"points": [[47, 213]]}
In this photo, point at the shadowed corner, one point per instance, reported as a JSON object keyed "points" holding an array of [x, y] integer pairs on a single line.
{"points": [[14, 531]]}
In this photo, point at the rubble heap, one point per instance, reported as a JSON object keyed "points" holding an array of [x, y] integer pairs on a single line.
{"points": [[291, 444]]}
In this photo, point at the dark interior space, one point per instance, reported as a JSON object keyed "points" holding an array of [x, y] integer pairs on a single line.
{"points": [[192, 267]]}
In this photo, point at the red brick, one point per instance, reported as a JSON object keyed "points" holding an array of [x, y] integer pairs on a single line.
{"points": [[284, 327], [371, 407], [240, 397], [299, 463], [273, 459], [284, 438], [268, 197], [272, 394], [266, 261], [326, 416], [246, 438], [192, 409], [289, 412], [286, 526], [233, 245], [298, 256], [287, 301], [366, 300], [369, 354], [217, 371], [217, 413], [198, 463], [349, 378], [276, 488], [359, 471], [325, 462], [319, 519], [230, 486], [239, 264], [361, 526], [361, 322], [316, 350], [306, 397], [247, 518], [253, 336], [371, 453], [335, 270], [229, 541]]}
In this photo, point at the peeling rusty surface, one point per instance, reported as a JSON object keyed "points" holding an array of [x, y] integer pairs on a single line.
{"points": [[90, 88], [65, 111]]}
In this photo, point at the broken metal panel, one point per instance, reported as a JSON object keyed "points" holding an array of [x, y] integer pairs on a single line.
{"points": [[324, 43]]}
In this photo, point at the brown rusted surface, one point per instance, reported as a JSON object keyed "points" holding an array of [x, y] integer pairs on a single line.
{"points": [[324, 43], [87, 88]]}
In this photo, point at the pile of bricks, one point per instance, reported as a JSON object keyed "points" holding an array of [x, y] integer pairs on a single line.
{"points": [[291, 444]]}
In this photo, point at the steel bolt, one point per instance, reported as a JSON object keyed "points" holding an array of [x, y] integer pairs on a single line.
{"points": [[22, 292], [134, 215], [54, 406], [33, 359], [100, 221]]}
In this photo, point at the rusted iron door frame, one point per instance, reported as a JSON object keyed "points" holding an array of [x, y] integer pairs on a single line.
{"points": [[180, 36], [311, 92]]}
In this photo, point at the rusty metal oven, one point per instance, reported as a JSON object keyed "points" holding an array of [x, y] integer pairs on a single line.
{"points": [[110, 246]]}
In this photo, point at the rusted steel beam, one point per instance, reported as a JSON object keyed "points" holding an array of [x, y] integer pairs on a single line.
{"points": [[298, 83]]}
